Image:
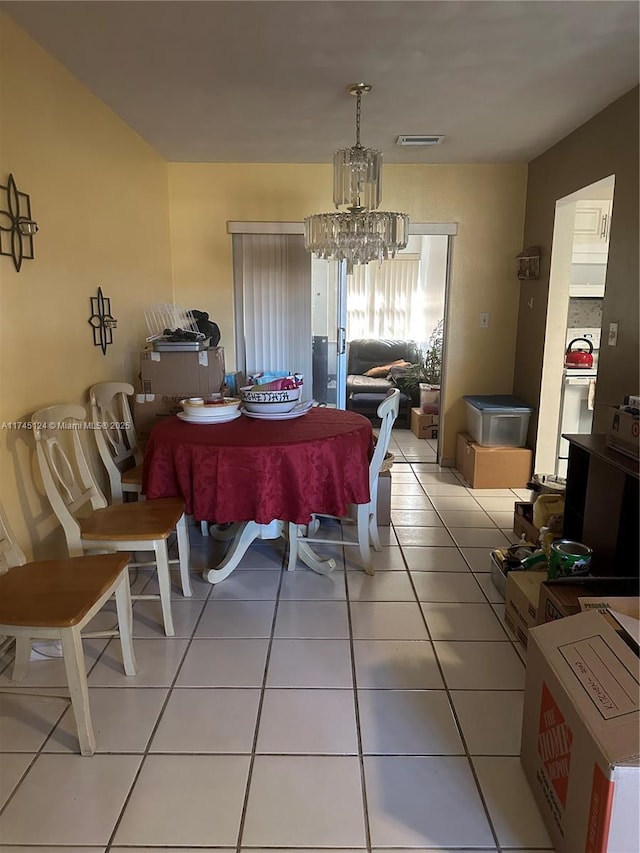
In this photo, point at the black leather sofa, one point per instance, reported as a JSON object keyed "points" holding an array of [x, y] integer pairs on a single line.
{"points": [[365, 393]]}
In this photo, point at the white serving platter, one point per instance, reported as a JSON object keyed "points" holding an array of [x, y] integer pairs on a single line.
{"points": [[214, 419]]}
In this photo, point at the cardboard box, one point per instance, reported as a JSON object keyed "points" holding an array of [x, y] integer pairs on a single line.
{"points": [[623, 434], [622, 613], [184, 374], [629, 605], [493, 467], [560, 597], [521, 602], [523, 522], [581, 734], [148, 409], [424, 426]]}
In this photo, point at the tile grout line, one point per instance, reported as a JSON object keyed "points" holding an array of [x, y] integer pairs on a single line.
{"points": [[356, 703], [256, 732], [263, 689], [145, 753], [455, 717], [459, 548], [31, 692]]}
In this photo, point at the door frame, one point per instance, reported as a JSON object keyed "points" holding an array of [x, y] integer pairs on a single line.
{"points": [[548, 428]]}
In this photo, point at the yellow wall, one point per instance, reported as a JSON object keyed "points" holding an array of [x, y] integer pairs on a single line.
{"points": [[99, 195], [487, 202]]}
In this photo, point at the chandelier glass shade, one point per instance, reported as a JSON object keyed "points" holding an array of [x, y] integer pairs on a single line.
{"points": [[361, 233], [357, 177]]}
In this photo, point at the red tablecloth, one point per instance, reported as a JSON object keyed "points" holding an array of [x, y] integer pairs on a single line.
{"points": [[258, 470]]}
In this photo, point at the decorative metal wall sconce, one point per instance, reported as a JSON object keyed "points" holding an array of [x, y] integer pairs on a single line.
{"points": [[529, 263], [101, 322], [21, 228]]}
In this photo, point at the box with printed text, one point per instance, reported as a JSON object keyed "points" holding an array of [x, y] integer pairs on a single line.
{"points": [[560, 597], [623, 434], [521, 602], [581, 734], [424, 425]]}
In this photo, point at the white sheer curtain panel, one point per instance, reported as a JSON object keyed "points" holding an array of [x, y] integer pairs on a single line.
{"points": [[272, 283], [386, 300]]}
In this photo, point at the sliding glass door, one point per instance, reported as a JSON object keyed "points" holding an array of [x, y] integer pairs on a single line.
{"points": [[328, 323], [296, 312], [402, 299]]}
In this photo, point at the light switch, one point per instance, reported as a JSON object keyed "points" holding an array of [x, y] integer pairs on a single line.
{"points": [[612, 339], [484, 321]]}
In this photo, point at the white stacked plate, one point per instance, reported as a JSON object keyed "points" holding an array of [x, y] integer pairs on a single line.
{"points": [[210, 413], [297, 412], [219, 419]]}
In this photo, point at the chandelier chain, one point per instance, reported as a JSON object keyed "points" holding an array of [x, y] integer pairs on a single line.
{"points": [[358, 111]]}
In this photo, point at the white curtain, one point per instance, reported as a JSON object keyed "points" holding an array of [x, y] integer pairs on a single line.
{"points": [[387, 300], [272, 284]]}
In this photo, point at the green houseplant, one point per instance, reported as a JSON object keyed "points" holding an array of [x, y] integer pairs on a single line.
{"points": [[427, 371]]}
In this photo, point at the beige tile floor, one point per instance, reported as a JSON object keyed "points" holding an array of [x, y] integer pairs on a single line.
{"points": [[296, 711]]}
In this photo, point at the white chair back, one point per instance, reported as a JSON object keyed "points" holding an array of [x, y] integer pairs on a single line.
{"points": [[116, 438], [387, 412], [66, 475], [366, 514]]}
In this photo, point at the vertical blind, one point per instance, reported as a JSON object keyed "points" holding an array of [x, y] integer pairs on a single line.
{"points": [[386, 300], [272, 283]]}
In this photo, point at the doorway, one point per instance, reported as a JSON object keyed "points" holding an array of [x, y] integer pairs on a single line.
{"points": [[577, 283], [402, 301]]}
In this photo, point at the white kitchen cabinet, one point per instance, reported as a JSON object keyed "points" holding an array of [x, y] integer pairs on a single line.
{"points": [[587, 280], [592, 226]]}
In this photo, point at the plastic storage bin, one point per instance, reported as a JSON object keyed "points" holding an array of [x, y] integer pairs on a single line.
{"points": [[498, 420]]}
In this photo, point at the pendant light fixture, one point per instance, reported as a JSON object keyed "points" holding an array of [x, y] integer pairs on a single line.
{"points": [[362, 233]]}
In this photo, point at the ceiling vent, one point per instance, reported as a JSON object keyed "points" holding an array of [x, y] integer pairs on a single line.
{"points": [[418, 139]]}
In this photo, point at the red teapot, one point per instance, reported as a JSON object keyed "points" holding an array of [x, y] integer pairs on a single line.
{"points": [[579, 357]]}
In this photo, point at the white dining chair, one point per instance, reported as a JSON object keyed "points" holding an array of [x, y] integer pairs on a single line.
{"points": [[54, 600], [117, 444], [366, 514], [116, 438], [89, 524]]}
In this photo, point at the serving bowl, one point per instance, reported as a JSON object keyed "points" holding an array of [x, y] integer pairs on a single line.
{"points": [[253, 394], [211, 408], [269, 401]]}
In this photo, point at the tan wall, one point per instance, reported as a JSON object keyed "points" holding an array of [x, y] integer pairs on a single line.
{"points": [[99, 195], [486, 201], [605, 145]]}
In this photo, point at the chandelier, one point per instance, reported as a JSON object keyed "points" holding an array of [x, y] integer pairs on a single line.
{"points": [[361, 233]]}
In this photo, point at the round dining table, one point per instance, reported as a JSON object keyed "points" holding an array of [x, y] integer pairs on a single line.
{"points": [[262, 474]]}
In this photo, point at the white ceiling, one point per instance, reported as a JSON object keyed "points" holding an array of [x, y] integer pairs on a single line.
{"points": [[261, 81]]}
